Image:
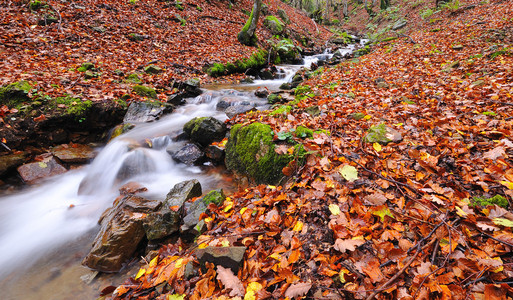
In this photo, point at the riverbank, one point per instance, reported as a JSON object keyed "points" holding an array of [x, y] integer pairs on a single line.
{"points": [[406, 194]]}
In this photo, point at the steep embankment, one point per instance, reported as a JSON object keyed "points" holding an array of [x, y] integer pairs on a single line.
{"points": [[426, 216], [83, 59]]}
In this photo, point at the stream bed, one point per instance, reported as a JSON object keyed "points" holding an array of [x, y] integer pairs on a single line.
{"points": [[47, 229]]}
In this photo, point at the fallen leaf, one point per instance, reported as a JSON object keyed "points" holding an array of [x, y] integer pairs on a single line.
{"points": [[230, 281], [348, 244], [349, 173], [297, 290], [495, 153]]}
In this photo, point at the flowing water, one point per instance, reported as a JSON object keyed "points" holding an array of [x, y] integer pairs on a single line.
{"points": [[47, 229]]}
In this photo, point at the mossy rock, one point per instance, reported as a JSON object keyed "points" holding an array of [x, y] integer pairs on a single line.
{"points": [[205, 130], [152, 69], [382, 134], [283, 15], [274, 25], [273, 98], [215, 196], [287, 51], [145, 91], [86, 67], [15, 93], [495, 200], [304, 132], [134, 78], [250, 152]]}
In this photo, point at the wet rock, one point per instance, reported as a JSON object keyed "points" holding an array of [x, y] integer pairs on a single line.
{"points": [[11, 161], [262, 92], [234, 110], [139, 112], [189, 154], [47, 166], [166, 220], [145, 91], [177, 99], [191, 222], [121, 233], [214, 153], [285, 86], [382, 134], [73, 153], [227, 257], [192, 87], [205, 130], [120, 129], [136, 162], [222, 105], [274, 98]]}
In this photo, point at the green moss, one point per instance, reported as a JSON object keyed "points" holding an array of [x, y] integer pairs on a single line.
{"points": [[283, 15], [73, 106], [303, 132], [193, 125], [250, 151], [15, 93], [282, 110], [273, 98], [243, 37], [145, 91], [36, 5], [377, 134], [274, 25], [85, 67], [215, 196], [255, 61], [152, 69], [495, 200], [134, 78]]}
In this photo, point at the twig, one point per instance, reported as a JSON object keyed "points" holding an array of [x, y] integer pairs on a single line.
{"points": [[496, 239], [60, 17], [5, 146]]}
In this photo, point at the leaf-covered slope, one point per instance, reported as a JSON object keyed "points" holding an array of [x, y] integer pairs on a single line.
{"points": [[46, 44], [413, 224]]}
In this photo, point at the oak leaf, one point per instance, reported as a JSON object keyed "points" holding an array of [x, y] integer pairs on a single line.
{"points": [[297, 290], [495, 153], [349, 244], [230, 281]]}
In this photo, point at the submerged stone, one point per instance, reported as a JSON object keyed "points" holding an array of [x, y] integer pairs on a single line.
{"points": [[73, 153], [189, 154], [139, 112], [205, 130]]}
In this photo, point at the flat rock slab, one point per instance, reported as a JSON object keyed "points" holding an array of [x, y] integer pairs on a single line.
{"points": [[47, 167], [227, 257], [74, 153]]}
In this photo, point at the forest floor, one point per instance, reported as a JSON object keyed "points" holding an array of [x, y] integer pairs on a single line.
{"points": [[425, 217]]}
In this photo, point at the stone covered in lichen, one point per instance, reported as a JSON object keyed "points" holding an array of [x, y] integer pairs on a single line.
{"points": [[145, 91], [250, 152]]}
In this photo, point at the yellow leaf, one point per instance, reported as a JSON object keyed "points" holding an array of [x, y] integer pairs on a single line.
{"points": [[276, 256], [251, 290], [227, 205], [460, 212], [153, 262], [376, 147], [42, 165], [140, 273], [298, 226], [507, 184], [225, 243], [335, 210], [202, 246], [367, 117], [242, 210], [341, 275], [499, 268], [178, 263]]}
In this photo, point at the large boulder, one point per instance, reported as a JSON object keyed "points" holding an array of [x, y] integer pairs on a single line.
{"points": [[139, 112], [121, 233], [205, 130], [166, 220], [46, 167], [250, 151]]}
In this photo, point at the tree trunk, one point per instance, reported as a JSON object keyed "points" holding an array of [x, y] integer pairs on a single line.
{"points": [[247, 35], [346, 13], [384, 4]]}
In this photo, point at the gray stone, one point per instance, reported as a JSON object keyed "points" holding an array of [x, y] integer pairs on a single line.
{"points": [[234, 110], [189, 154], [152, 69], [139, 112], [47, 166], [182, 192], [205, 130], [191, 222], [214, 153], [227, 257]]}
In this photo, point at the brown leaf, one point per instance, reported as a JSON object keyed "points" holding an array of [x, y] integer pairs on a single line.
{"points": [[230, 281], [375, 199], [349, 244], [298, 290], [495, 153]]}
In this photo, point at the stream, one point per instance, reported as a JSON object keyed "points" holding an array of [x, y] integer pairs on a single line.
{"points": [[47, 229]]}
